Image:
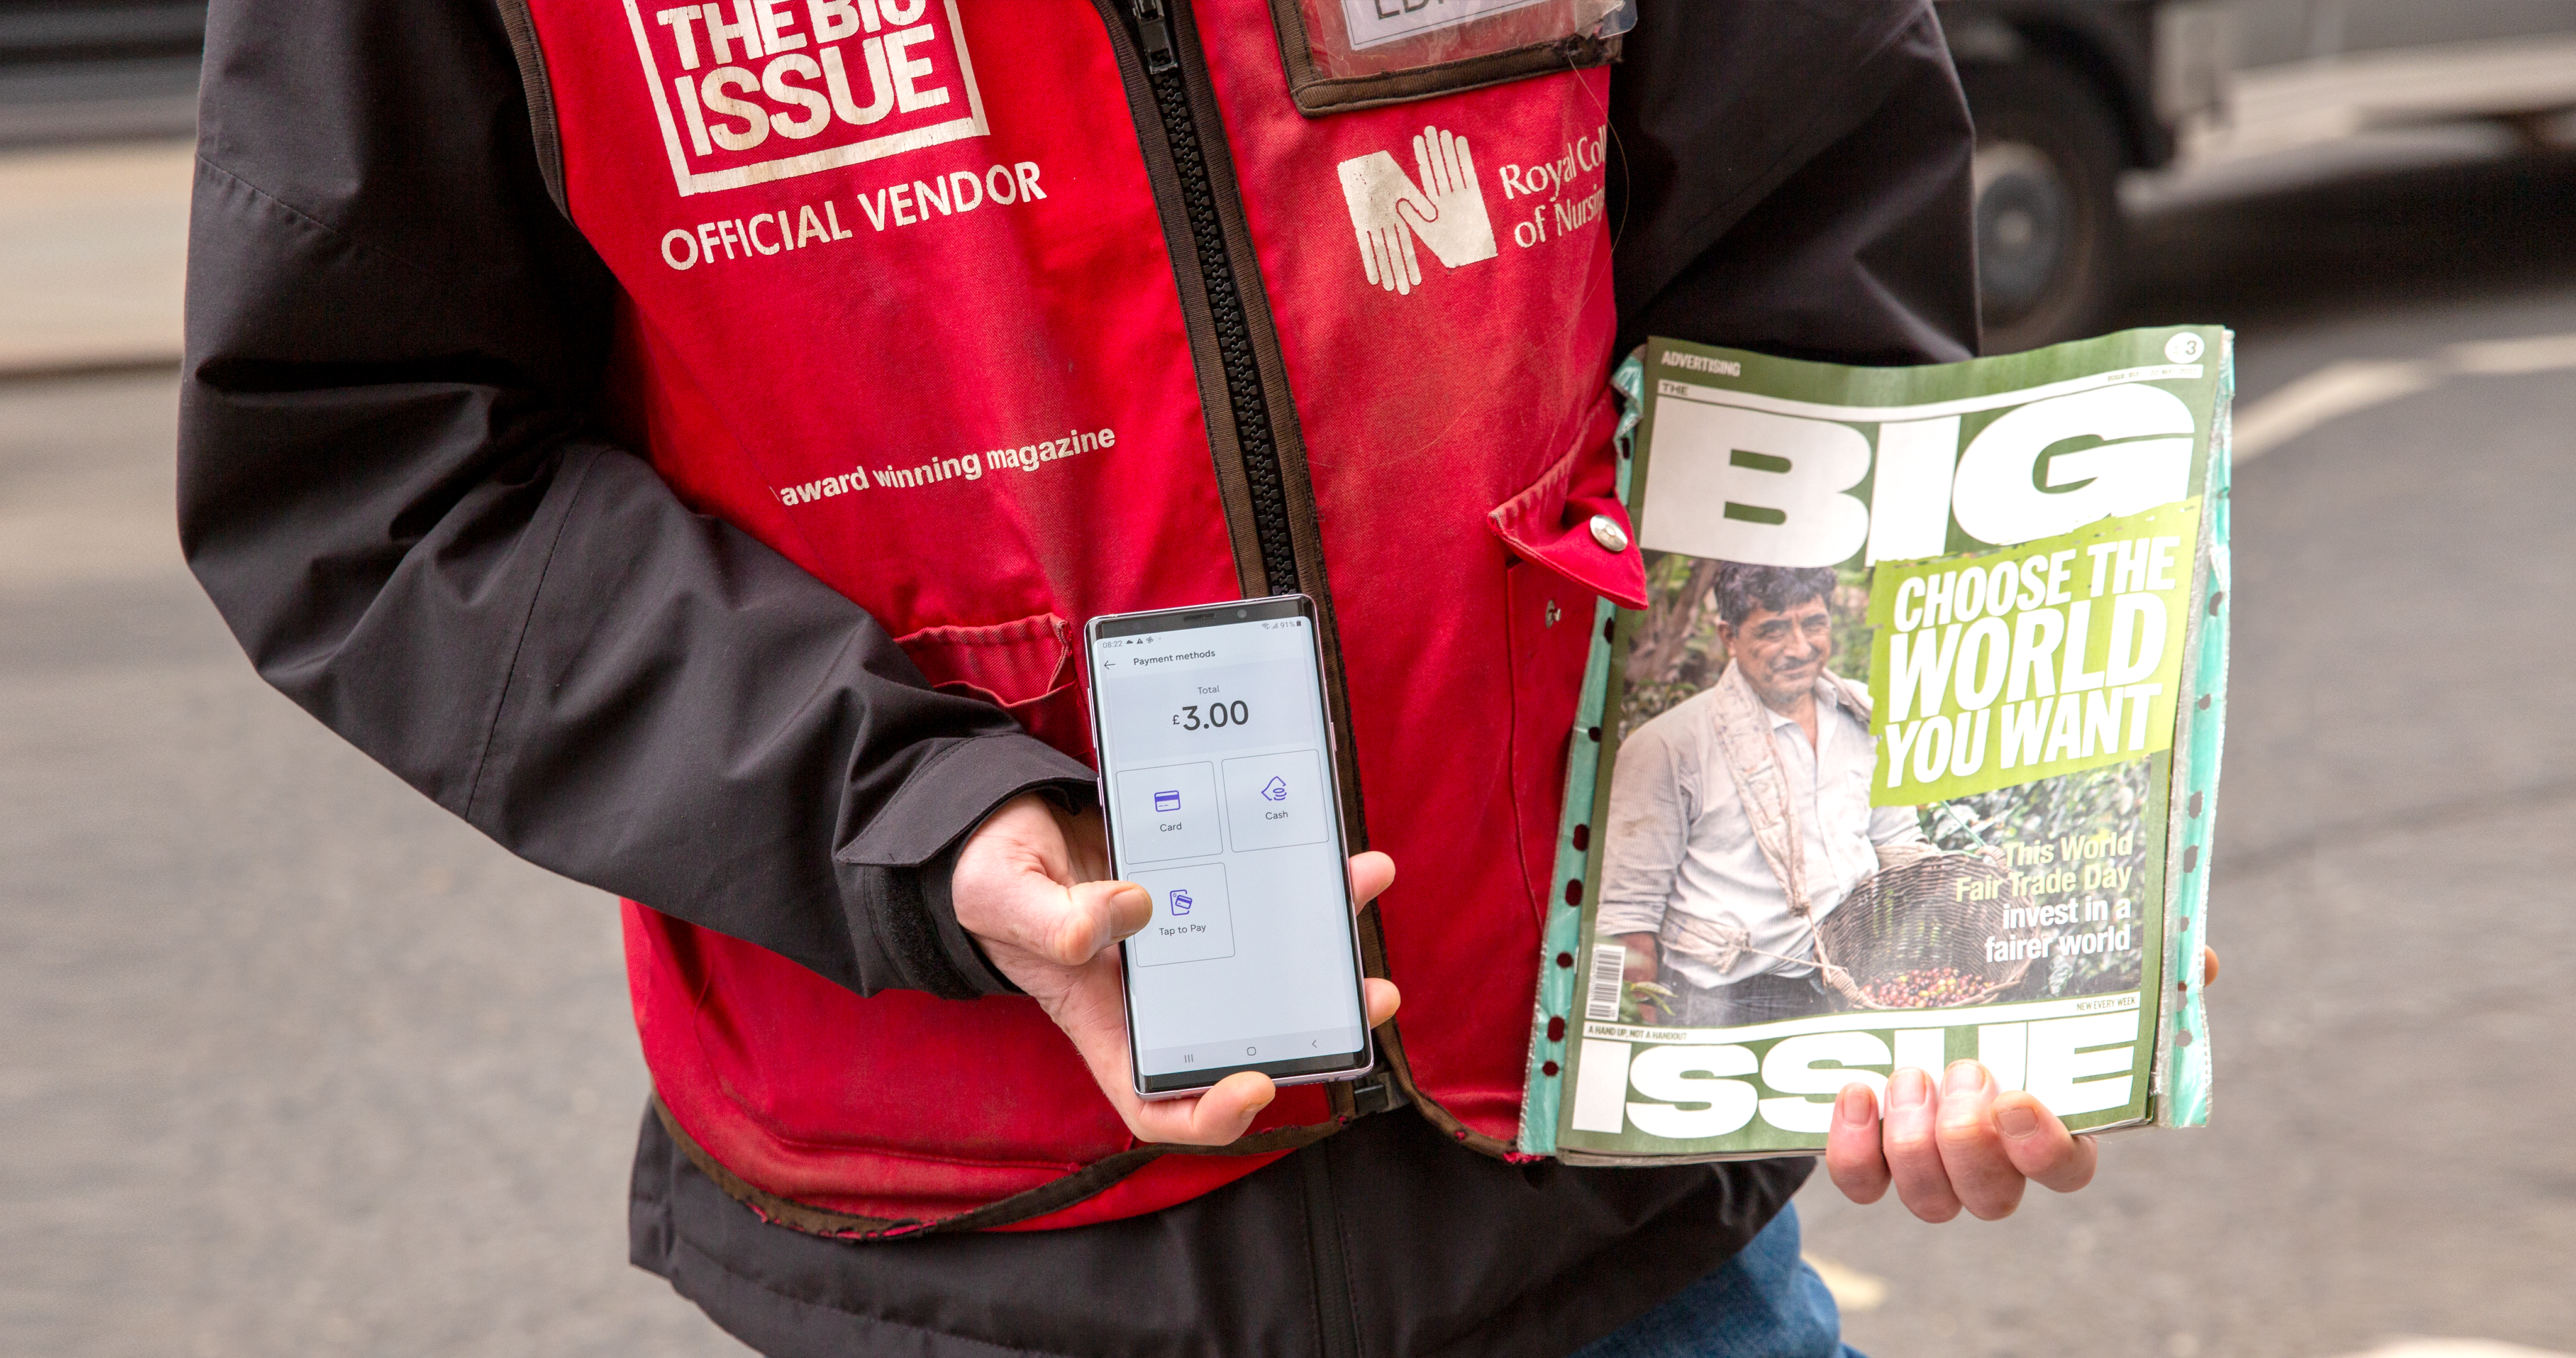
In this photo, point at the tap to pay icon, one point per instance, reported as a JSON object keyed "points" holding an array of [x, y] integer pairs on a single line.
{"points": [[1193, 920]]}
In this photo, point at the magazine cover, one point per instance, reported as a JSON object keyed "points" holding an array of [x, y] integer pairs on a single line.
{"points": [[1912, 756]]}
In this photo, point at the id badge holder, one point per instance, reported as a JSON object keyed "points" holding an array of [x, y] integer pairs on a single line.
{"points": [[1353, 54]]}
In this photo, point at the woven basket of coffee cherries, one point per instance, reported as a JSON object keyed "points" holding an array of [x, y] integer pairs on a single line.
{"points": [[1914, 936]]}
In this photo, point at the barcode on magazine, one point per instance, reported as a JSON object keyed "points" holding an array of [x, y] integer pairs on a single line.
{"points": [[1609, 962]]}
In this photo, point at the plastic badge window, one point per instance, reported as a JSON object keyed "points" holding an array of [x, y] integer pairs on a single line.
{"points": [[1352, 39]]}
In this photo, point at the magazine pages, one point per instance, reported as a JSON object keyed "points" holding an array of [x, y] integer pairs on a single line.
{"points": [[1912, 756]]}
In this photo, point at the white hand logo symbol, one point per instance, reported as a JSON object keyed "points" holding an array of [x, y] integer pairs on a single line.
{"points": [[1449, 213], [1387, 210], [1372, 185]]}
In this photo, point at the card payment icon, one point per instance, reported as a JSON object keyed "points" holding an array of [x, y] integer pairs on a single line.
{"points": [[1181, 903], [1167, 801]]}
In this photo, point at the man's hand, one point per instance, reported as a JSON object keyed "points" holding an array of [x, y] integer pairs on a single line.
{"points": [[1027, 888], [1642, 963], [1959, 1144]]}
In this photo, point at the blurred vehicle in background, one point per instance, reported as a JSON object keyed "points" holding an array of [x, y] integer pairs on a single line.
{"points": [[2071, 95], [85, 70]]}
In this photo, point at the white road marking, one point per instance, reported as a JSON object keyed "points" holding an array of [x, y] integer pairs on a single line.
{"points": [[93, 254], [2329, 393], [2454, 1348], [2340, 389], [1857, 1291], [2533, 354]]}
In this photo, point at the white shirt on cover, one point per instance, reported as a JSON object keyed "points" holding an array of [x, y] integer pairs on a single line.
{"points": [[1679, 838]]}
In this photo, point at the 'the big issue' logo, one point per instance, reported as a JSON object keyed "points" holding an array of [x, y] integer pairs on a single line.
{"points": [[749, 91], [1446, 209]]}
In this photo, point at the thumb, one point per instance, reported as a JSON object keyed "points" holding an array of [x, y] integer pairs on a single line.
{"points": [[1071, 925]]}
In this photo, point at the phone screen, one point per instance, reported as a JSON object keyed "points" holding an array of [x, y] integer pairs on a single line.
{"points": [[1216, 776]]}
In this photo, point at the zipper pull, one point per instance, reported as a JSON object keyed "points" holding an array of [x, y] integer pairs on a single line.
{"points": [[1154, 34]]}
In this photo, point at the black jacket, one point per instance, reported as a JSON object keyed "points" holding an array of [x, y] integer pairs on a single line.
{"points": [[397, 486]]}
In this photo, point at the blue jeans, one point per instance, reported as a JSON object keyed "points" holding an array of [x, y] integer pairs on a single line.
{"points": [[1763, 1303]]}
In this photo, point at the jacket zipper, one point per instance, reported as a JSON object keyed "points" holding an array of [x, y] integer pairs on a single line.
{"points": [[1248, 398], [1245, 391], [1338, 1330]]}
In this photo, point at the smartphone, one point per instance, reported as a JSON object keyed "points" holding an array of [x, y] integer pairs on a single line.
{"points": [[1216, 777]]}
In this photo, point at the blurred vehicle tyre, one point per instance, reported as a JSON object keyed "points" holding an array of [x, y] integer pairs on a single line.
{"points": [[2048, 214]]}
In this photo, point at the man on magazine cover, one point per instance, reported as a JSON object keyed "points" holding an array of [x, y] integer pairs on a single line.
{"points": [[1740, 817]]}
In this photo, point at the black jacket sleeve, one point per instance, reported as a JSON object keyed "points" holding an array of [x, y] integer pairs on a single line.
{"points": [[392, 485], [1792, 176]]}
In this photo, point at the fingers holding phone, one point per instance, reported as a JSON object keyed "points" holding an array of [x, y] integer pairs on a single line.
{"points": [[1055, 936]]}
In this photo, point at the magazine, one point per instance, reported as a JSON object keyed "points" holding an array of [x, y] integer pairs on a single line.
{"points": [[1912, 756]]}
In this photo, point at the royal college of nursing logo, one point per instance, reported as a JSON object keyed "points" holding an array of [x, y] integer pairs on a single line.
{"points": [[749, 91], [1446, 209]]}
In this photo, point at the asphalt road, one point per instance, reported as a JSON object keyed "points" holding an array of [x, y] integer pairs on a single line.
{"points": [[296, 1064]]}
